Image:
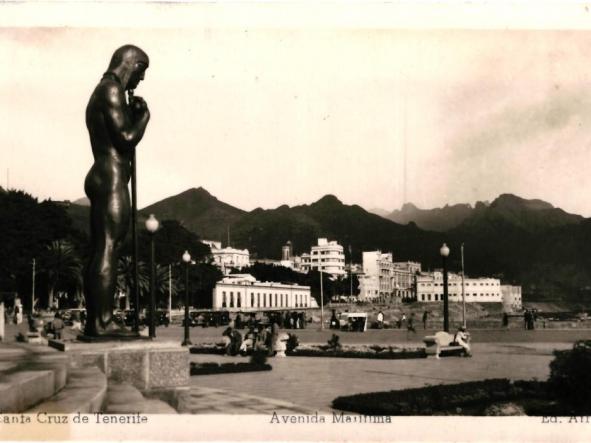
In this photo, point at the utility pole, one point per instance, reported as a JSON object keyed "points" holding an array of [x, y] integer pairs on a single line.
{"points": [[351, 271], [170, 292], [321, 301], [463, 291], [33, 290]]}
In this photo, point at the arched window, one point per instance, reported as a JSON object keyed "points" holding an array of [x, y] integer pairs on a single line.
{"points": [[252, 299], [238, 300], [231, 299], [258, 299], [224, 301]]}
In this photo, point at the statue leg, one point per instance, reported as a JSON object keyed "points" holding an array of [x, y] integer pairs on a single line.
{"points": [[109, 222]]}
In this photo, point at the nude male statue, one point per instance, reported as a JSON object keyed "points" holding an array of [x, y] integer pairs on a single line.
{"points": [[115, 128]]}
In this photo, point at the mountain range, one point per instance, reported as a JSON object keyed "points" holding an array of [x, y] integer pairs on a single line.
{"points": [[527, 242]]}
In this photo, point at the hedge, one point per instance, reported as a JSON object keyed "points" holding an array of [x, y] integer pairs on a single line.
{"points": [[226, 368], [440, 399], [362, 351]]}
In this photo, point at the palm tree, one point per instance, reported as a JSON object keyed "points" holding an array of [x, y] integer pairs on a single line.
{"points": [[60, 262], [125, 277]]}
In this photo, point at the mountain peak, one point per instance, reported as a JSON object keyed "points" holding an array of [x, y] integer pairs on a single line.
{"points": [[511, 201], [408, 206], [329, 199]]}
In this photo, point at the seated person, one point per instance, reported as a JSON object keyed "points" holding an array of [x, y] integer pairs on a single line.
{"points": [[249, 341], [462, 338]]}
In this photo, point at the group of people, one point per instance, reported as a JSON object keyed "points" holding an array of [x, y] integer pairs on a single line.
{"points": [[257, 337], [529, 319], [287, 320], [13, 315]]}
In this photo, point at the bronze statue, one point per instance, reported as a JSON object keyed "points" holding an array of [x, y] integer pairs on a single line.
{"points": [[115, 128]]}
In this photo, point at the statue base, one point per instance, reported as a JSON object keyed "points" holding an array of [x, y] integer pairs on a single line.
{"points": [[131, 336], [156, 368]]}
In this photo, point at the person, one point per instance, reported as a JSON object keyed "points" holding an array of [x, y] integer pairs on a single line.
{"points": [[238, 321], [410, 325], [115, 129], [425, 317], [18, 315], [463, 339], [505, 320], [380, 320], [334, 321], [272, 345], [403, 319], [526, 316], [57, 325]]}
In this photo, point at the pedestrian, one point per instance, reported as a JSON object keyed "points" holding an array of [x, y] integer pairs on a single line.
{"points": [[403, 319], [410, 325], [57, 325], [380, 320], [425, 317]]}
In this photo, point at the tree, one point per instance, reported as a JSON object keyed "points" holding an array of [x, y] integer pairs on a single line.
{"points": [[60, 263], [125, 278]]}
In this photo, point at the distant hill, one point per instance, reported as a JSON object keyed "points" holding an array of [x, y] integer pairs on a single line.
{"points": [[526, 242], [379, 211], [436, 219], [84, 201], [197, 210], [265, 231]]}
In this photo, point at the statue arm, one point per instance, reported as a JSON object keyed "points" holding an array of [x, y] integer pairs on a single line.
{"points": [[124, 133]]}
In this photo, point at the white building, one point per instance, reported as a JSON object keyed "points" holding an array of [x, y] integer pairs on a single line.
{"points": [[386, 280], [429, 287], [228, 258], [242, 292], [326, 256], [511, 298]]}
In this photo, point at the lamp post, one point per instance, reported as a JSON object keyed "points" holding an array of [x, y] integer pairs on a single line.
{"points": [[463, 292], [321, 301], [187, 260], [33, 290], [444, 251], [152, 226]]}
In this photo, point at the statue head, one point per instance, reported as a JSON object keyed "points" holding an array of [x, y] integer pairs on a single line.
{"points": [[129, 63]]}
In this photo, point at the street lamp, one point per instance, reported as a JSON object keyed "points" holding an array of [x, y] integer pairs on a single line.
{"points": [[187, 260], [152, 226], [444, 251]]}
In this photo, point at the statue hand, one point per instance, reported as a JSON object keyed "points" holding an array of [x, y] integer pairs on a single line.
{"points": [[140, 107]]}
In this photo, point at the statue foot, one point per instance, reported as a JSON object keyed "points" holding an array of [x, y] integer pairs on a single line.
{"points": [[112, 331]]}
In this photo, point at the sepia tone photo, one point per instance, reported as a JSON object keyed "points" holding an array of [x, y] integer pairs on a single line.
{"points": [[296, 224]]}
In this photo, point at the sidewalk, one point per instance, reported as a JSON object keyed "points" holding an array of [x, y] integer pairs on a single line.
{"points": [[316, 381]]}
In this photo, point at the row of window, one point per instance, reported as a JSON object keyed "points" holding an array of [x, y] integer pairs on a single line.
{"points": [[458, 284], [280, 300], [437, 297]]}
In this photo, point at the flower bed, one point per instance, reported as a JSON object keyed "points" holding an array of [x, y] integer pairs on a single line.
{"points": [[227, 368], [358, 351], [207, 348], [470, 398]]}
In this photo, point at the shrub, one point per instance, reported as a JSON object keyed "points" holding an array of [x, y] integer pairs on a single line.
{"points": [[428, 400], [292, 342], [570, 377], [334, 343], [225, 368], [259, 357]]}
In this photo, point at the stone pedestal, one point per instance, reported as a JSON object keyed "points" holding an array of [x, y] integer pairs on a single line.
{"points": [[156, 368]]}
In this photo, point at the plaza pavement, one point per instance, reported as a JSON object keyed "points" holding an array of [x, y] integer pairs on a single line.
{"points": [[314, 382]]}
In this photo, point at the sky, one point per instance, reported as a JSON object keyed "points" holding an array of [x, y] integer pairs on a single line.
{"points": [[262, 117]]}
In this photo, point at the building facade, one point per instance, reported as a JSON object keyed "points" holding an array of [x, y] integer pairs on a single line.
{"points": [[228, 258], [511, 298], [326, 256], [429, 288], [386, 280], [242, 292]]}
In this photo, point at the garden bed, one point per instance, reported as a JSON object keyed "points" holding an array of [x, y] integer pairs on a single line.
{"points": [[358, 351], [486, 397], [208, 348], [227, 368]]}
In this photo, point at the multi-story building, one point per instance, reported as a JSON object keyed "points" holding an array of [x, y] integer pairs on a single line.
{"points": [[228, 257], [385, 280], [403, 279], [242, 292], [429, 287], [511, 298], [326, 256]]}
